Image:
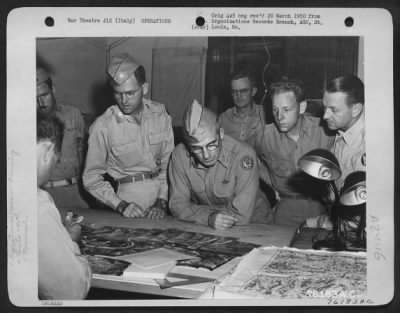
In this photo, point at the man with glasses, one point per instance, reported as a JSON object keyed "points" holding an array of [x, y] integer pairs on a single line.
{"points": [[281, 145], [64, 184], [214, 178], [246, 118], [131, 142]]}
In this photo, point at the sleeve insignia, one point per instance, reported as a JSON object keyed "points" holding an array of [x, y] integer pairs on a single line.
{"points": [[364, 160], [247, 162]]}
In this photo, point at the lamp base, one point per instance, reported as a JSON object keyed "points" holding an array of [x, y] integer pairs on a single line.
{"points": [[329, 245]]}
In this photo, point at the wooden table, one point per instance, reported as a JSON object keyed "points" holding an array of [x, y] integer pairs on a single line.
{"points": [[265, 235]]}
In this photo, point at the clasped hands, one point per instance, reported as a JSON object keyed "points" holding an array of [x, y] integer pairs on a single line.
{"points": [[133, 210], [221, 220]]}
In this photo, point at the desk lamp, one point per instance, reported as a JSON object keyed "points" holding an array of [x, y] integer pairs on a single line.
{"points": [[323, 165], [352, 213]]}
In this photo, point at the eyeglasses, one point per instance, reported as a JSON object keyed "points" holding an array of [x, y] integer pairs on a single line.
{"points": [[239, 92], [212, 146], [128, 94]]}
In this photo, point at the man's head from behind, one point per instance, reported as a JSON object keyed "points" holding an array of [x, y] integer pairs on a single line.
{"points": [[128, 80], [287, 104], [45, 99], [343, 102], [49, 136], [243, 89], [202, 134]]}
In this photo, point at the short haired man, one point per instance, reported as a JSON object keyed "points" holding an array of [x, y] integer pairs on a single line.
{"points": [[246, 118], [63, 272], [214, 178], [282, 144], [64, 183], [344, 112], [131, 142]]}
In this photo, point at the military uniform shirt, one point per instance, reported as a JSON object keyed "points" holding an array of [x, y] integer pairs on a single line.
{"points": [[243, 129], [71, 158], [349, 149], [231, 185], [280, 153], [120, 146]]}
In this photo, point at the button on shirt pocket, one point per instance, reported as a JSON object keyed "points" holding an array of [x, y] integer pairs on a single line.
{"points": [[155, 141], [224, 190], [127, 155]]}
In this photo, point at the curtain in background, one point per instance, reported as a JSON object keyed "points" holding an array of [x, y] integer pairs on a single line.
{"points": [[178, 77]]}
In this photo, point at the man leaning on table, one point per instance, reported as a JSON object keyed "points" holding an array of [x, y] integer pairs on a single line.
{"points": [[214, 178], [344, 112], [132, 143], [280, 146], [63, 273]]}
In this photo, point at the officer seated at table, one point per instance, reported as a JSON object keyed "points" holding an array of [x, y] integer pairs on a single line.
{"points": [[63, 273], [131, 142], [214, 178]]}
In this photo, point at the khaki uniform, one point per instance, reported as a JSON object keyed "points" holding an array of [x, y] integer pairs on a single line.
{"points": [[230, 186], [243, 129], [349, 149], [122, 147], [64, 182], [280, 153]]}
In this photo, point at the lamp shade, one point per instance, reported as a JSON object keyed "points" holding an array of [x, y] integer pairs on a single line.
{"points": [[354, 191], [320, 164]]}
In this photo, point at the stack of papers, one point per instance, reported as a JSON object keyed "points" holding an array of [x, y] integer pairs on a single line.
{"points": [[154, 263]]}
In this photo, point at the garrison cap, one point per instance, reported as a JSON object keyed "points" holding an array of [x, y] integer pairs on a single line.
{"points": [[121, 68], [198, 122], [41, 76]]}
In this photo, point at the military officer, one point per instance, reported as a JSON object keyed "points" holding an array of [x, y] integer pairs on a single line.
{"points": [[64, 183], [344, 112], [245, 118], [131, 142], [281, 145], [214, 178]]}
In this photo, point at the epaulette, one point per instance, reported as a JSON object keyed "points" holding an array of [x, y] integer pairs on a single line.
{"points": [[106, 118], [154, 106]]}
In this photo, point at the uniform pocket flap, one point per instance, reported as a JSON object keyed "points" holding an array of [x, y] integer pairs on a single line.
{"points": [[156, 138]]}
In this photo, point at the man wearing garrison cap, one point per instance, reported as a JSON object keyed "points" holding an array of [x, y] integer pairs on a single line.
{"points": [[64, 183], [131, 142], [214, 178]]}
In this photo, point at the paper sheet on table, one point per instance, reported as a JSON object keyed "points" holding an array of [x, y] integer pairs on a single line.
{"points": [[255, 274], [154, 258]]}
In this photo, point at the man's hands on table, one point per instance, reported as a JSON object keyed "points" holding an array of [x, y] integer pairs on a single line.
{"points": [[221, 220], [158, 210], [133, 210], [71, 224]]}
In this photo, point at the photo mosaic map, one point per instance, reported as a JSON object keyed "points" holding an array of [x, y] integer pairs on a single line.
{"points": [[102, 244], [305, 274]]}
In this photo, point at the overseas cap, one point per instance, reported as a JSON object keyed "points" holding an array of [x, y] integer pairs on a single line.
{"points": [[199, 122], [121, 68], [41, 76]]}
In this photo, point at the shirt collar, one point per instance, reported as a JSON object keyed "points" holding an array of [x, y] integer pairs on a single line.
{"points": [[253, 112], [133, 119], [354, 131], [304, 126]]}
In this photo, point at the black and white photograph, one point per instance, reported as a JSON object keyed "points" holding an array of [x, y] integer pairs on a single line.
{"points": [[218, 156]]}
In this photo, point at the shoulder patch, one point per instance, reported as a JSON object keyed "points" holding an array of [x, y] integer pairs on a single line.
{"points": [[247, 162], [364, 159]]}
